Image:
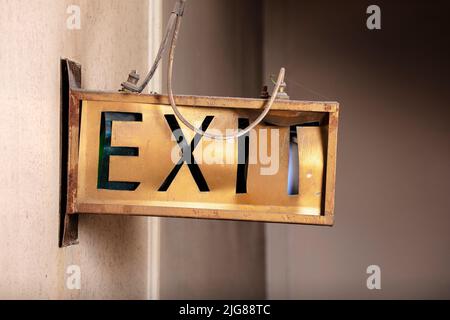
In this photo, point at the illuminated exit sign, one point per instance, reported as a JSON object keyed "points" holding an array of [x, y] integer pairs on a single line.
{"points": [[130, 155]]}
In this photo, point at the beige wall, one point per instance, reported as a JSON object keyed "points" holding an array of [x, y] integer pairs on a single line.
{"points": [[218, 53], [199, 259], [392, 204], [112, 252]]}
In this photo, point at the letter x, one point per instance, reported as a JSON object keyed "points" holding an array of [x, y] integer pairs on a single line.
{"points": [[192, 164]]}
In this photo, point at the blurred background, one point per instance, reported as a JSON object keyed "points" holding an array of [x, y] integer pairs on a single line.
{"points": [[393, 175]]}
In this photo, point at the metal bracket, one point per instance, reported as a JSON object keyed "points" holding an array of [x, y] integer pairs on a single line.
{"points": [[70, 79]]}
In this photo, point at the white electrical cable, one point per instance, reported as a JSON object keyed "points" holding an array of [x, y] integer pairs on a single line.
{"points": [[185, 121], [133, 87]]}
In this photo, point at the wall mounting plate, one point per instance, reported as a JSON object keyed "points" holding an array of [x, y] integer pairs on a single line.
{"points": [[70, 79]]}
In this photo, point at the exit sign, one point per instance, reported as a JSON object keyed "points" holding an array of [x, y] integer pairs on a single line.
{"points": [[130, 155]]}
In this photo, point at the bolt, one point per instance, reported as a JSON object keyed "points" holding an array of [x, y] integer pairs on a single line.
{"points": [[282, 94], [133, 77], [264, 93], [131, 84]]}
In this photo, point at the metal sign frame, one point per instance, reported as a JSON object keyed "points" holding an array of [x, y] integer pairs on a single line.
{"points": [[71, 206]]}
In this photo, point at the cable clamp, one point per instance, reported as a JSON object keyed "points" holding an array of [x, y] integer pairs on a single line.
{"points": [[179, 8]]}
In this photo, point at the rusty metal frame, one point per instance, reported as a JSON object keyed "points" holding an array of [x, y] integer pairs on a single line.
{"points": [[294, 109], [72, 97], [70, 79]]}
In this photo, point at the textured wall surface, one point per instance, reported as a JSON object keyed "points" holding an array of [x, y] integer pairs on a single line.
{"points": [[392, 204], [218, 53], [112, 252]]}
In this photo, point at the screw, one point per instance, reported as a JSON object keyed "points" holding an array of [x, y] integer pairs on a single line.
{"points": [[131, 84], [264, 93], [282, 94], [133, 77]]}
